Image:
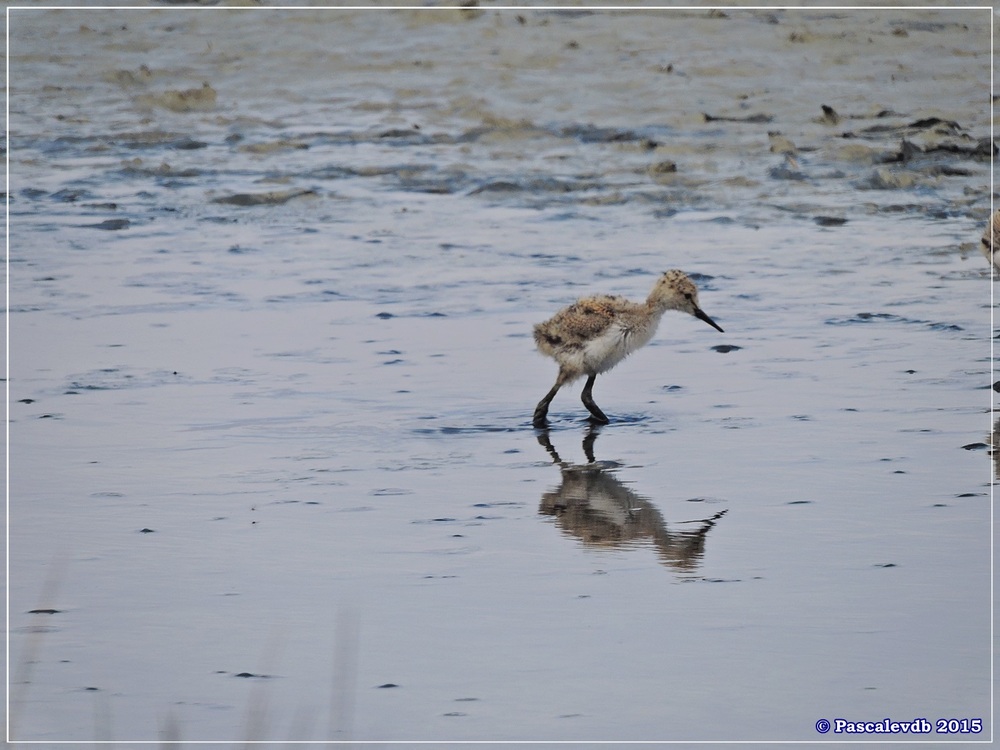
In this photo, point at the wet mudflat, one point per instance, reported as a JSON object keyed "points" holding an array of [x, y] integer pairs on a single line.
{"points": [[272, 282]]}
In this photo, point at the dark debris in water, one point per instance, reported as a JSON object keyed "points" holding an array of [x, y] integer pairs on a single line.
{"points": [[867, 317], [900, 129], [472, 429], [595, 134], [726, 348], [114, 378], [975, 447]]}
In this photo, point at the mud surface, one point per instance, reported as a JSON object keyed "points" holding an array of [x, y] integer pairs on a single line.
{"points": [[272, 282]]}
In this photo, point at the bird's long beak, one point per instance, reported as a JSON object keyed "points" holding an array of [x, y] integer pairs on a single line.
{"points": [[700, 315]]}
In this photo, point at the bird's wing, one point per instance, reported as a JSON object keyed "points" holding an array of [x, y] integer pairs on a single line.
{"points": [[585, 319]]}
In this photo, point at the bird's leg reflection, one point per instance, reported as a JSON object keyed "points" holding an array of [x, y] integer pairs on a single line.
{"points": [[588, 442], [588, 445], [593, 505], [543, 440], [995, 448]]}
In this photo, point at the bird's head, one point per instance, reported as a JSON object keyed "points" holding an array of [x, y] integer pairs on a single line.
{"points": [[674, 290]]}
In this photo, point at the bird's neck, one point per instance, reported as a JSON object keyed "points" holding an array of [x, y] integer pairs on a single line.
{"points": [[656, 306]]}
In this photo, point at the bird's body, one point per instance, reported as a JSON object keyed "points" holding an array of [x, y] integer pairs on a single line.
{"points": [[594, 334], [990, 241]]}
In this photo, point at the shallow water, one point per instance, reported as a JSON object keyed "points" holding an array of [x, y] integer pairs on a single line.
{"points": [[271, 374]]}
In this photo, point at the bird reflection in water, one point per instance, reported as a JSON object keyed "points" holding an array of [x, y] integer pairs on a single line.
{"points": [[593, 505], [995, 441]]}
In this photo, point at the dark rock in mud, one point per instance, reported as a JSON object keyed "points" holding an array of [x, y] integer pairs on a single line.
{"points": [[188, 144], [887, 179], [786, 173], [830, 116], [758, 118], [274, 198], [110, 225], [830, 221], [68, 195], [663, 170], [595, 134], [535, 185]]}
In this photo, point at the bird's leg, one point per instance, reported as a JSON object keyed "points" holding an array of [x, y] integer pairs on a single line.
{"points": [[588, 400], [542, 410]]}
